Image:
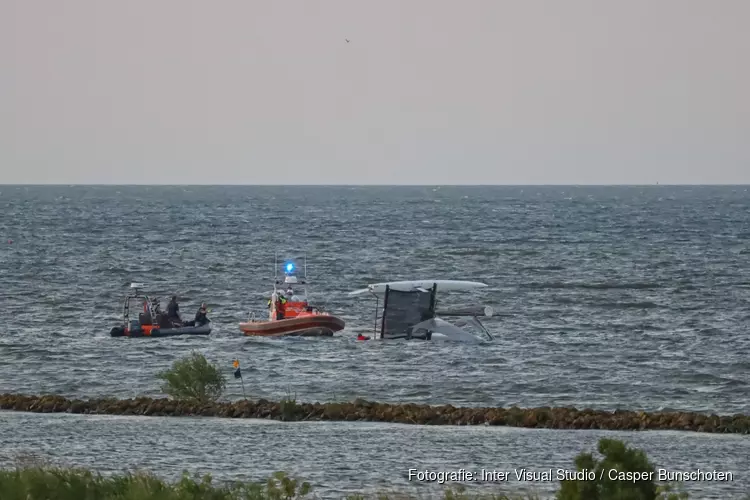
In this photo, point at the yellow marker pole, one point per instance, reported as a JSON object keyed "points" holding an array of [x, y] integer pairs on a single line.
{"points": [[238, 374]]}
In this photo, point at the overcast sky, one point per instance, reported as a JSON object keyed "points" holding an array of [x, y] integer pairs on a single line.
{"points": [[425, 92]]}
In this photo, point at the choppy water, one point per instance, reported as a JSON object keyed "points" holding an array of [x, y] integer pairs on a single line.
{"points": [[621, 297], [342, 457], [630, 297]]}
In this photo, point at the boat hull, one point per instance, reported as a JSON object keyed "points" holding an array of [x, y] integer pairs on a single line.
{"points": [[301, 326], [161, 332]]}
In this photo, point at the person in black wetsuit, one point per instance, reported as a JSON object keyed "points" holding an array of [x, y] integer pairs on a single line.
{"points": [[173, 311], [200, 317]]}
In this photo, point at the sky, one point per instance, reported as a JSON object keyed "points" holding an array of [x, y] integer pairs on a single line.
{"points": [[425, 92]]}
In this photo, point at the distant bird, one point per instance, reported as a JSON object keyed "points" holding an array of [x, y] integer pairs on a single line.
{"points": [[347, 40]]}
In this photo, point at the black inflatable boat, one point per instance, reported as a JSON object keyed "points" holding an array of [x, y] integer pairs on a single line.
{"points": [[152, 322], [139, 331]]}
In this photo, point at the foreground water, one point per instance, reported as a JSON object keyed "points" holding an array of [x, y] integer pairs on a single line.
{"points": [[342, 457]]}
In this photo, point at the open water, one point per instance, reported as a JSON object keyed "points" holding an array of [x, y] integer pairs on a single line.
{"points": [[612, 297]]}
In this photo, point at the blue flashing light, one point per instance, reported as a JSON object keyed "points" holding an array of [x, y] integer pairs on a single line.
{"points": [[290, 267]]}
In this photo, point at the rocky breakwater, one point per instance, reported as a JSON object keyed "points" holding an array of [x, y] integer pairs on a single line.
{"points": [[360, 410]]}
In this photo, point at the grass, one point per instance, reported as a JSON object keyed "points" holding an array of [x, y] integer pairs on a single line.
{"points": [[43, 482], [33, 479], [448, 494], [290, 410]]}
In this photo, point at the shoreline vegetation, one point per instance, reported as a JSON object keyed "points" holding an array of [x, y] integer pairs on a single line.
{"points": [[288, 409], [35, 479]]}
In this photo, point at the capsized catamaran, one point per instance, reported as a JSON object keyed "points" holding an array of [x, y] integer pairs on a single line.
{"points": [[289, 311], [409, 310]]}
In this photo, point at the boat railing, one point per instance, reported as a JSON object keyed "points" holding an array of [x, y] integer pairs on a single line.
{"points": [[251, 317]]}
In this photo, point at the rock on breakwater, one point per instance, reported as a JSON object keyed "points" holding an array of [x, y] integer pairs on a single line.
{"points": [[360, 410]]}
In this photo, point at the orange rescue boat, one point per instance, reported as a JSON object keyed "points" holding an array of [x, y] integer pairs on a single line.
{"points": [[290, 314]]}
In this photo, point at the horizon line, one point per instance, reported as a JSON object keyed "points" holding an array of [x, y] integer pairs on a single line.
{"points": [[73, 184]]}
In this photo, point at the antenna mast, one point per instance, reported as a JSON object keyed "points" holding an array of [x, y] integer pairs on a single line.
{"points": [[275, 268]]}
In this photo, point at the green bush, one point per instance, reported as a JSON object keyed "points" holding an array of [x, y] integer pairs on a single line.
{"points": [[616, 456], [193, 379]]}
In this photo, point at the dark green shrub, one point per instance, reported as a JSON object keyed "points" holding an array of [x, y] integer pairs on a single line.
{"points": [[193, 379], [622, 473]]}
